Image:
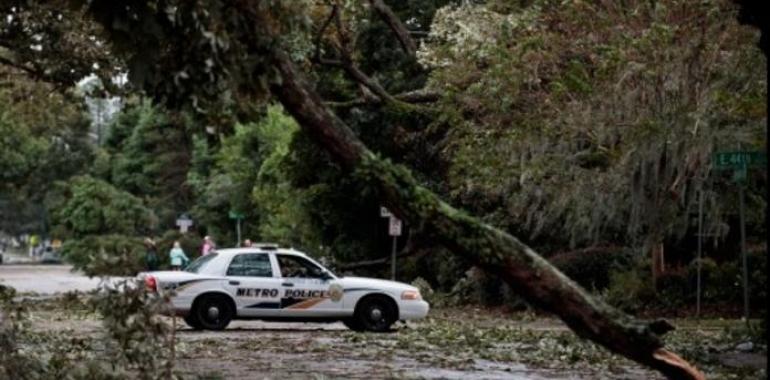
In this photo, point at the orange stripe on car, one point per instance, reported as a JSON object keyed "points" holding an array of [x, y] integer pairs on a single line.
{"points": [[306, 304]]}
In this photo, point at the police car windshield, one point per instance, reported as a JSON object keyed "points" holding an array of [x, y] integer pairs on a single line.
{"points": [[200, 262]]}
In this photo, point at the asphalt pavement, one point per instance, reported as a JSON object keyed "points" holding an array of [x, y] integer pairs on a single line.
{"points": [[45, 279]]}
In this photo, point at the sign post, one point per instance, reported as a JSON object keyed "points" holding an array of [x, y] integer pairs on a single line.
{"points": [[237, 216], [184, 222], [740, 162], [394, 230]]}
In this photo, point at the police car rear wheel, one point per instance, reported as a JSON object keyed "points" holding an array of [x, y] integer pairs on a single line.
{"points": [[375, 314], [213, 312], [192, 321]]}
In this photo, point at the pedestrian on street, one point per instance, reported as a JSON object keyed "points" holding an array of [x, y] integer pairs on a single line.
{"points": [[178, 258], [208, 246], [247, 243], [34, 240], [150, 255]]}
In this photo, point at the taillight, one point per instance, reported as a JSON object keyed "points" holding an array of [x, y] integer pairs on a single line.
{"points": [[150, 284]]}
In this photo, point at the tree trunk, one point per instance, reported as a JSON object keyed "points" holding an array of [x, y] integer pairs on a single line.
{"points": [[495, 251], [658, 263]]}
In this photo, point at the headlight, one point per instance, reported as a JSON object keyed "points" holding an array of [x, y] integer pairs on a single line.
{"points": [[410, 295]]}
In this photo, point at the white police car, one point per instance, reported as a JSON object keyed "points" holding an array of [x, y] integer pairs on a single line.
{"points": [[271, 283]]}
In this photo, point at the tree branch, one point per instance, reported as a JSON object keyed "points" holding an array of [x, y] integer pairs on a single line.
{"points": [[8, 58], [372, 92], [395, 24], [375, 262], [319, 36], [416, 96]]}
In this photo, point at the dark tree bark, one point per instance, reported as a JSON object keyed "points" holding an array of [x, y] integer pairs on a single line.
{"points": [[395, 24], [756, 14], [497, 252]]}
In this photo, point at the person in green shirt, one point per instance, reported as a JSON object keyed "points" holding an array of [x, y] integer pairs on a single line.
{"points": [[178, 258]]}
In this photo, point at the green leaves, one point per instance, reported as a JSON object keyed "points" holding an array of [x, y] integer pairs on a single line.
{"points": [[96, 207]]}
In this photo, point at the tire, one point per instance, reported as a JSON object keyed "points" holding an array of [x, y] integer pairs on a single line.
{"points": [[192, 321], [212, 312], [353, 324], [375, 313]]}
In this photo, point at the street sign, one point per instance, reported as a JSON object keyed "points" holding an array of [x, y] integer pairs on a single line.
{"points": [[385, 213], [235, 215], [395, 226], [184, 222], [739, 159]]}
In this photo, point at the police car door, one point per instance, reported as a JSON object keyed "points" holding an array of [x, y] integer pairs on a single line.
{"points": [[305, 289], [252, 282]]}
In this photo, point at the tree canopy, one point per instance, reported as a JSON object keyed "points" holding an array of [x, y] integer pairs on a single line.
{"points": [[559, 125]]}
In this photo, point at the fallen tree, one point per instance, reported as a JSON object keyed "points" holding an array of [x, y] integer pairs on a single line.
{"points": [[497, 252], [250, 58]]}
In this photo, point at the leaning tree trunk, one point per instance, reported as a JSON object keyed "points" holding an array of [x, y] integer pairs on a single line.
{"points": [[497, 252]]}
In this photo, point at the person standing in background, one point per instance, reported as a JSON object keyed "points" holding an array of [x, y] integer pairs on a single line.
{"points": [[150, 255], [208, 246], [177, 256], [34, 240]]}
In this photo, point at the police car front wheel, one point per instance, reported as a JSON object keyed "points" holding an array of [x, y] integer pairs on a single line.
{"points": [[375, 313], [212, 312]]}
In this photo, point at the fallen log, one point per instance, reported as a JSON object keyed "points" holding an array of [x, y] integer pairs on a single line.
{"points": [[497, 252]]}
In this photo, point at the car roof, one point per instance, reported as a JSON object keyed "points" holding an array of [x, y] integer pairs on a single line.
{"points": [[259, 248]]}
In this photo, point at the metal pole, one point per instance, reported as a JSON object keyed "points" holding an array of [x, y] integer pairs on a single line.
{"points": [[238, 231], [743, 254], [700, 251], [393, 259]]}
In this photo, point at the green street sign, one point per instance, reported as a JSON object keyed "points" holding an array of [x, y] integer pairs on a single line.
{"points": [[739, 159], [235, 215]]}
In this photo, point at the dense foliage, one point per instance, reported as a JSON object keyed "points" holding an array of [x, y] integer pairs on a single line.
{"points": [[575, 126]]}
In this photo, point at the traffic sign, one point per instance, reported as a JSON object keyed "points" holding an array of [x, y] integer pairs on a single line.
{"points": [[235, 215], [739, 159], [394, 229], [385, 213]]}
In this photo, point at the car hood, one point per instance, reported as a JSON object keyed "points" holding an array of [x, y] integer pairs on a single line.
{"points": [[365, 282]]}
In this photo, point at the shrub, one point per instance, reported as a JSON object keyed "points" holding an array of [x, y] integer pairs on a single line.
{"points": [[719, 282], [674, 289], [630, 290], [90, 206], [137, 343], [425, 289], [110, 255], [591, 267]]}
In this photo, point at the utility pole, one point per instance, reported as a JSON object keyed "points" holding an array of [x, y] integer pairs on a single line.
{"points": [[700, 251], [743, 253]]}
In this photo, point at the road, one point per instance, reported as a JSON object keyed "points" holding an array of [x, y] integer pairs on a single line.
{"points": [[451, 344], [45, 279]]}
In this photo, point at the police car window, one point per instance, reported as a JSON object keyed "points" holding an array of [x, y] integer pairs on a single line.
{"points": [[199, 263], [295, 266], [250, 265]]}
